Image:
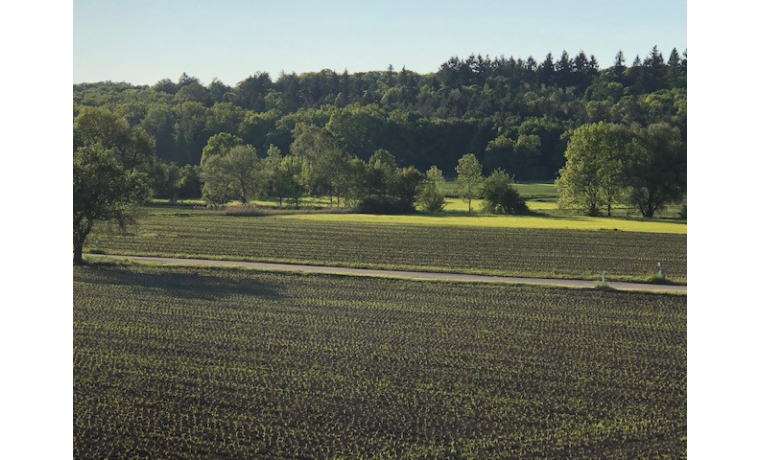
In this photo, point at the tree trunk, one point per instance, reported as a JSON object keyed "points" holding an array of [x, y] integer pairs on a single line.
{"points": [[78, 254], [78, 248], [650, 207], [592, 210], [80, 235]]}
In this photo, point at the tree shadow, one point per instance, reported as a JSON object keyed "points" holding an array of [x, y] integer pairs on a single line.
{"points": [[187, 285]]}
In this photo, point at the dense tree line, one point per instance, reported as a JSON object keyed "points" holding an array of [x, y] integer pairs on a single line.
{"points": [[317, 166], [512, 114]]}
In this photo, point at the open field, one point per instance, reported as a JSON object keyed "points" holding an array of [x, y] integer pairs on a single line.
{"points": [[564, 222], [220, 363], [545, 215], [393, 274], [530, 191], [391, 243]]}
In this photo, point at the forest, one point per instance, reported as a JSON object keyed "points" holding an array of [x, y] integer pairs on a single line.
{"points": [[514, 115]]}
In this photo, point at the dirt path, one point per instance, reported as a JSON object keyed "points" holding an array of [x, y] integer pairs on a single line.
{"points": [[399, 273]]}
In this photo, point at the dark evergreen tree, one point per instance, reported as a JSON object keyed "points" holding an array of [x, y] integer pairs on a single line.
{"points": [[564, 68], [546, 70], [674, 72], [619, 68]]}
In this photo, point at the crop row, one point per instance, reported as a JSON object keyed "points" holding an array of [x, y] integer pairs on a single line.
{"points": [[505, 251], [211, 363]]}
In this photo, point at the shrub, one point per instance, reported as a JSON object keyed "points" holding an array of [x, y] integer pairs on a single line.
{"points": [[431, 197], [501, 196]]}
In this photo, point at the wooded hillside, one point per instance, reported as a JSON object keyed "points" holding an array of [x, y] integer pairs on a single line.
{"points": [[511, 113]]}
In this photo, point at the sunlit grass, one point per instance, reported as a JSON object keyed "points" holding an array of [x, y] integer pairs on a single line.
{"points": [[540, 198], [479, 220], [543, 191], [535, 191], [542, 205], [460, 205], [305, 201]]}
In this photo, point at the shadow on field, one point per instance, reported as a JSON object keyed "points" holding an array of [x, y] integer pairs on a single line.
{"points": [[186, 285]]}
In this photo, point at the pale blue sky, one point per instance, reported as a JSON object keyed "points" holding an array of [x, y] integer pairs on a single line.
{"points": [[141, 41]]}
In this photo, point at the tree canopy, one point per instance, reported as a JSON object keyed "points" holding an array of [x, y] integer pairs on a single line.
{"points": [[643, 167], [655, 169], [103, 191], [113, 163], [431, 196], [509, 112], [469, 178], [501, 196], [608, 136], [234, 174], [591, 177]]}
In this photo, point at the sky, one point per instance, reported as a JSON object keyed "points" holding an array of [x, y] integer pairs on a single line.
{"points": [[141, 41]]}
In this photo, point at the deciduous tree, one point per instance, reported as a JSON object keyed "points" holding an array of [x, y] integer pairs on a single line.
{"points": [[381, 175], [293, 177], [111, 165], [133, 147], [469, 178], [591, 177], [234, 175], [431, 198], [501, 196], [103, 191], [407, 191], [655, 169], [219, 144], [327, 161]]}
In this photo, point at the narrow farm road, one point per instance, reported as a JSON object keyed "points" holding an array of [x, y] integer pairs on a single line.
{"points": [[462, 277]]}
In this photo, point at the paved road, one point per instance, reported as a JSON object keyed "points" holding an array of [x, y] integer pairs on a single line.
{"points": [[400, 273]]}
